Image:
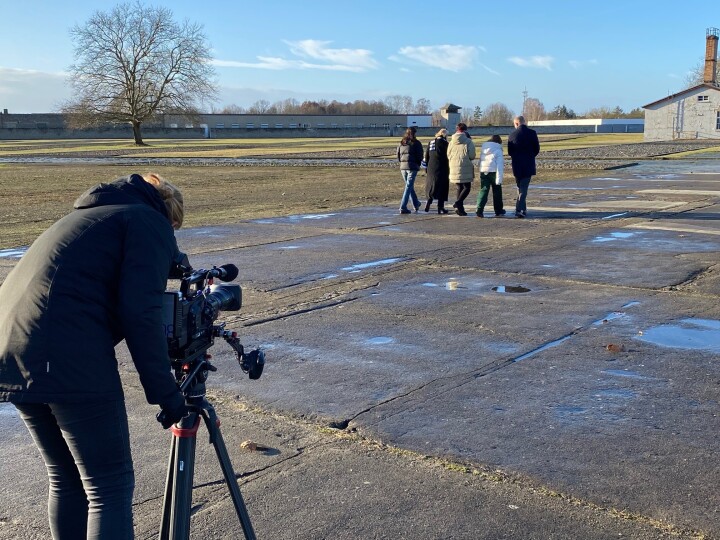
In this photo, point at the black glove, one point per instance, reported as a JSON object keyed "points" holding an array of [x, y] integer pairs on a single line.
{"points": [[168, 417]]}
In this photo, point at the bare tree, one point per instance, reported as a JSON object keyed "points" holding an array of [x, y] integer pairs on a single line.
{"points": [[497, 114], [696, 75], [261, 106], [135, 62], [422, 106], [534, 110]]}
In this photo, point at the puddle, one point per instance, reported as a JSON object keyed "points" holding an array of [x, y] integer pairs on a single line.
{"points": [[510, 289], [289, 247], [571, 188], [430, 284], [329, 276], [615, 236], [695, 334], [363, 266], [548, 266], [13, 253], [631, 304], [616, 215], [626, 374], [543, 348], [312, 216], [610, 317], [380, 340]]}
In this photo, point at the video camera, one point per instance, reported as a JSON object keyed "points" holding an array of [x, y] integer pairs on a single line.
{"points": [[189, 315]]}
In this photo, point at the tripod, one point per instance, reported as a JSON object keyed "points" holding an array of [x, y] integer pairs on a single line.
{"points": [[175, 523]]}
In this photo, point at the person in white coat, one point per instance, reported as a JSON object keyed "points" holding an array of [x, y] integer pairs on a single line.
{"points": [[491, 176]]}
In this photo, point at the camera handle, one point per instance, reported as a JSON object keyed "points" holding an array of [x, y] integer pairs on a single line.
{"points": [[251, 363]]}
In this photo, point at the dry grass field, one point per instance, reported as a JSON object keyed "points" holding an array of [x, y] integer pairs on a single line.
{"points": [[32, 196]]}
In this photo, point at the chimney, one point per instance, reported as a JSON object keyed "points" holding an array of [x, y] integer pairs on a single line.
{"points": [[711, 48]]}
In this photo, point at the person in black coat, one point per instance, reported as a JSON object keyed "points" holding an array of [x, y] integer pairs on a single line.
{"points": [[95, 277], [523, 146], [437, 183], [410, 156]]}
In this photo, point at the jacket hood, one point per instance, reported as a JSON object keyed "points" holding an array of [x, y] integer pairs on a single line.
{"points": [[127, 190], [460, 138]]}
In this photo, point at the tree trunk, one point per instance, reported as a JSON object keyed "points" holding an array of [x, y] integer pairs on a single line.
{"points": [[136, 134]]}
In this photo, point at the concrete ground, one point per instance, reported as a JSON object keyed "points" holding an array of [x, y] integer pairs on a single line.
{"points": [[454, 377]]}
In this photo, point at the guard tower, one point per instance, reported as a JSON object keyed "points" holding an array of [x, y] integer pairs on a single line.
{"points": [[450, 116], [711, 49]]}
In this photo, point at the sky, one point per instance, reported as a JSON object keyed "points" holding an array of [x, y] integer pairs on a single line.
{"points": [[578, 53]]}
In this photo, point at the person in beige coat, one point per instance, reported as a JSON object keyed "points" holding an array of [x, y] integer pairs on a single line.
{"points": [[461, 152]]}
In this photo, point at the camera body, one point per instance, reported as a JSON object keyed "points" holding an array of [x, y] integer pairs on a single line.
{"points": [[189, 314]]}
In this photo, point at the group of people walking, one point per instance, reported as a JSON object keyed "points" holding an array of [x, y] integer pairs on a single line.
{"points": [[451, 162]]}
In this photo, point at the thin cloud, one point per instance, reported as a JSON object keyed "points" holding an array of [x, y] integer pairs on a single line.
{"points": [[30, 91], [542, 62], [578, 64], [447, 57], [311, 54]]}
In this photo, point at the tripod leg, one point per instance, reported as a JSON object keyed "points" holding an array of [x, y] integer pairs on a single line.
{"points": [[175, 523], [216, 439]]}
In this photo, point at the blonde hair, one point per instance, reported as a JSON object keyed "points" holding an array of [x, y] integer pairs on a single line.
{"points": [[170, 195], [441, 133]]}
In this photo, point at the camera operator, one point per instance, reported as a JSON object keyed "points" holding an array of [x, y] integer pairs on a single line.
{"points": [[95, 277]]}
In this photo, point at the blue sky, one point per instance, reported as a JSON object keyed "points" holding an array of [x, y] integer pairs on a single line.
{"points": [[581, 54]]}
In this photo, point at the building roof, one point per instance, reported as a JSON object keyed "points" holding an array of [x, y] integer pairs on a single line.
{"points": [[686, 91], [449, 107]]}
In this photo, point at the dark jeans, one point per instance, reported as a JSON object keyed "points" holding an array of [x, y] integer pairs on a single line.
{"points": [[487, 182], [463, 190], [522, 187], [86, 448]]}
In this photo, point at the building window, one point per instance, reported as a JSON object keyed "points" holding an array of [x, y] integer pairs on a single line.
{"points": [[703, 98], [717, 121], [220, 126], [263, 126], [278, 125], [235, 126], [320, 125], [386, 125], [373, 125], [333, 125], [250, 125]]}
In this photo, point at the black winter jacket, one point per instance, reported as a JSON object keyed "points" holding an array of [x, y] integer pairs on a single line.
{"points": [[95, 277], [523, 146]]}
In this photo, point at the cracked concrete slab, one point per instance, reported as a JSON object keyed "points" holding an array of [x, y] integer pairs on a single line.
{"points": [[570, 358]]}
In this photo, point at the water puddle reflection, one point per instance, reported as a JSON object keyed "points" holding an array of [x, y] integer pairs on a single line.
{"points": [[610, 317], [380, 340], [695, 334], [615, 236], [13, 253], [510, 289], [616, 215], [544, 347], [363, 266]]}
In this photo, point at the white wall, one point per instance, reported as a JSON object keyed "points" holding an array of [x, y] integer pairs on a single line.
{"points": [[685, 117]]}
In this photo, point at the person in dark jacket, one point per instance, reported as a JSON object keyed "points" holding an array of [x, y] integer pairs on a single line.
{"points": [[410, 156], [523, 146], [437, 183], [95, 277]]}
